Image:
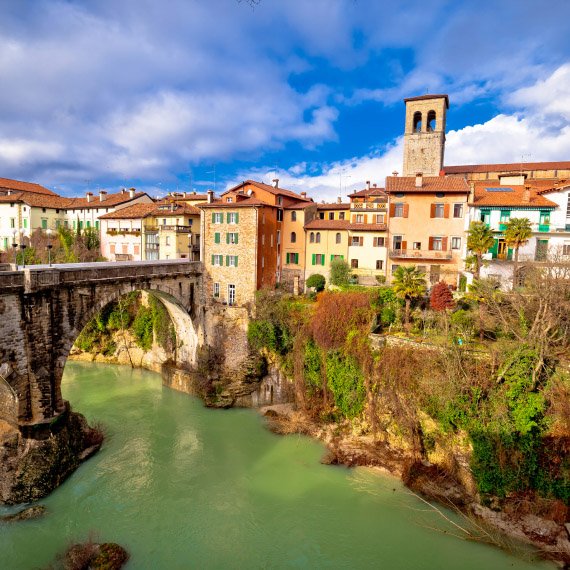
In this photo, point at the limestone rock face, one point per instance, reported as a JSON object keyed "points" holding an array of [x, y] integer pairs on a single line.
{"points": [[31, 468]]}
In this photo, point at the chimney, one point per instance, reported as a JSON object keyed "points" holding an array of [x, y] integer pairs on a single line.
{"points": [[194, 193], [419, 180], [339, 200], [395, 173], [132, 193], [123, 190], [304, 194], [89, 196], [276, 183], [375, 185], [368, 184], [526, 194], [102, 195], [210, 196]]}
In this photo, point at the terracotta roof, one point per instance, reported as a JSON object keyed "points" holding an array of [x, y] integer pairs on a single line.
{"points": [[180, 209], [37, 200], [368, 192], [429, 184], [556, 187], [510, 195], [369, 227], [299, 205], [334, 206], [248, 203], [189, 196], [136, 211], [276, 191], [514, 167], [328, 225], [429, 96], [110, 200], [9, 184]]}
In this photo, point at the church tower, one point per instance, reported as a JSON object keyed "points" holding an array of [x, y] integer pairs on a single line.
{"points": [[424, 137]]}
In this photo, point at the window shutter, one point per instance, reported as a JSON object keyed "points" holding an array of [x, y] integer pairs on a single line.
{"points": [[213, 217], [375, 242], [430, 246], [236, 238], [237, 217], [406, 210], [432, 211], [236, 260], [322, 259], [404, 245], [227, 260], [287, 258], [217, 237], [365, 218], [361, 239], [297, 258], [444, 244], [446, 211], [392, 210], [212, 260], [314, 259], [332, 256], [227, 237]]}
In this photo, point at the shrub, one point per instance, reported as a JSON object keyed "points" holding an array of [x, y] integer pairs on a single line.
{"points": [[441, 297], [316, 281], [340, 272], [312, 366], [142, 328], [388, 315], [261, 334], [346, 383]]}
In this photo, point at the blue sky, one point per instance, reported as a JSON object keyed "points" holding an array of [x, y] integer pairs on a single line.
{"points": [[159, 95]]}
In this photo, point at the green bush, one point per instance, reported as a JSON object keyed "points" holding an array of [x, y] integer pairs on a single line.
{"points": [[346, 382], [261, 334], [142, 328], [316, 281], [388, 315], [340, 272], [312, 366]]}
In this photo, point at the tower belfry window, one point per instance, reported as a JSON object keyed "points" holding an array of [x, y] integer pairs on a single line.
{"points": [[431, 121], [417, 122]]}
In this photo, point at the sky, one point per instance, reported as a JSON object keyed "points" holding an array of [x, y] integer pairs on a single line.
{"points": [[196, 94]]}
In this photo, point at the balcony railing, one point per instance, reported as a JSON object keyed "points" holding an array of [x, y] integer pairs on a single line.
{"points": [[176, 229], [123, 231], [420, 254], [368, 206]]}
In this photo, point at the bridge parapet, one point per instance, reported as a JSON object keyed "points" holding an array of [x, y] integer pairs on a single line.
{"points": [[10, 280]]}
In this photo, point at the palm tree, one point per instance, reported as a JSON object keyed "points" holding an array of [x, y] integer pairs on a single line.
{"points": [[409, 283], [517, 233], [479, 240]]}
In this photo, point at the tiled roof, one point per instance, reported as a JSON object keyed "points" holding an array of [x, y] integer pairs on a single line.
{"points": [[368, 227], [180, 209], [515, 167], [189, 196], [276, 191], [110, 200], [508, 196], [328, 225], [429, 96], [36, 200], [9, 184], [368, 192], [429, 184], [334, 206], [248, 203], [299, 205], [556, 187], [134, 212]]}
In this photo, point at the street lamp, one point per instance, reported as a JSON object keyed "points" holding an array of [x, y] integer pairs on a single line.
{"points": [[49, 246], [190, 246], [23, 248], [15, 248]]}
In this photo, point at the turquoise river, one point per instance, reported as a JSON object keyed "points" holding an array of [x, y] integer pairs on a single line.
{"points": [[182, 486]]}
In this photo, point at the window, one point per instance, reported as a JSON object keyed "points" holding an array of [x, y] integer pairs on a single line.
{"points": [[44, 210], [279, 200], [357, 241], [341, 215], [232, 238], [338, 238], [486, 216], [167, 240], [380, 218], [438, 211], [312, 237], [231, 294], [379, 242], [457, 210], [417, 245], [417, 122], [394, 268], [318, 259], [505, 216], [44, 223], [430, 126], [359, 218], [397, 242], [398, 210], [97, 224], [279, 215], [379, 264], [137, 249], [292, 258], [566, 248], [216, 291], [293, 216], [229, 200], [331, 215], [321, 215], [217, 260], [568, 207], [278, 237], [318, 237], [436, 243], [25, 220], [455, 243], [293, 237], [232, 260], [12, 222], [232, 218], [354, 263], [88, 223], [217, 218]]}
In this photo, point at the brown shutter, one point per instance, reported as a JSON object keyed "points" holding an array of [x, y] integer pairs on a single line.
{"points": [[361, 240], [446, 211], [432, 211], [404, 245], [430, 246], [392, 210], [375, 242], [406, 210], [365, 218], [444, 244]]}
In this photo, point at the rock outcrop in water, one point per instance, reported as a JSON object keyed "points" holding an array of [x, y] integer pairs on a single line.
{"points": [[32, 467]]}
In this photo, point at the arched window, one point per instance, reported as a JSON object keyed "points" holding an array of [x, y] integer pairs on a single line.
{"points": [[318, 237], [338, 238], [293, 216], [417, 122], [293, 237], [312, 237], [431, 121]]}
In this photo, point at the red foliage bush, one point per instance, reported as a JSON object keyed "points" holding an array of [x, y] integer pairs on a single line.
{"points": [[441, 297], [336, 314]]}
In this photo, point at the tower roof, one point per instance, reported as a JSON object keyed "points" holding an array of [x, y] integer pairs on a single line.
{"points": [[429, 96]]}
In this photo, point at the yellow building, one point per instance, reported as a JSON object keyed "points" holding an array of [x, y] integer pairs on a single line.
{"points": [[325, 240]]}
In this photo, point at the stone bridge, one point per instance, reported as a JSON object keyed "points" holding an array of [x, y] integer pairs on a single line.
{"points": [[43, 310]]}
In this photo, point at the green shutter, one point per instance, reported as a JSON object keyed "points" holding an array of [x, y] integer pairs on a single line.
{"points": [[227, 237], [217, 237], [237, 217], [222, 260], [323, 259], [314, 259], [212, 260], [297, 258], [332, 256], [97, 224], [228, 260], [236, 260], [213, 217], [237, 238], [342, 256], [287, 258], [228, 217]]}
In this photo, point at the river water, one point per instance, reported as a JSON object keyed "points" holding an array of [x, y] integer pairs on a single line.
{"points": [[182, 486]]}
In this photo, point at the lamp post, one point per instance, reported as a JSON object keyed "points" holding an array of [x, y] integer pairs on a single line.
{"points": [[49, 246], [15, 248], [189, 246], [23, 248]]}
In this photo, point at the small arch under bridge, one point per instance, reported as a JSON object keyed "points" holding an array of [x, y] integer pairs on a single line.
{"points": [[43, 310]]}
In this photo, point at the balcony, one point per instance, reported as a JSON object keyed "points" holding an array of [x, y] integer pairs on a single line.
{"points": [[368, 206], [123, 231], [176, 229], [420, 254]]}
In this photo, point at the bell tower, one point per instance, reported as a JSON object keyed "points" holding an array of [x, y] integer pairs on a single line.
{"points": [[424, 136]]}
